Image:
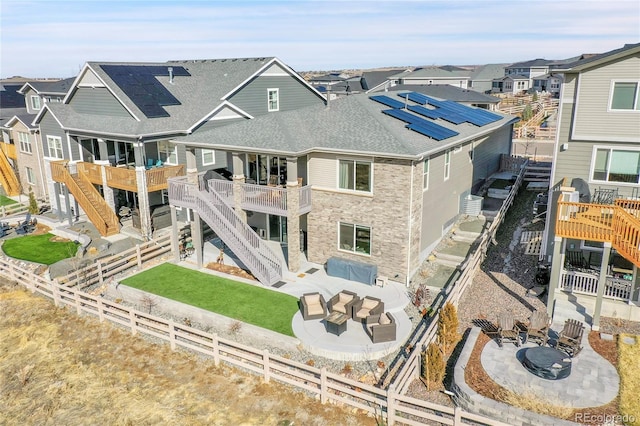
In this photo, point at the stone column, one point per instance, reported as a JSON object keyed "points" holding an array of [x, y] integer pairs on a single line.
{"points": [[196, 235], [192, 166], [293, 215], [602, 283], [175, 248], [556, 268], [143, 202], [103, 154], [238, 184], [67, 204]]}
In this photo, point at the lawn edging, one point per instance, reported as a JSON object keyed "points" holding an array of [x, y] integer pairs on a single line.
{"points": [[473, 402], [219, 323]]}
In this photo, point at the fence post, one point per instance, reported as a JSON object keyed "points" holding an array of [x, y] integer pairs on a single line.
{"points": [[138, 256], [391, 403], [100, 308], [76, 298], [216, 350], [132, 319], [56, 296], [323, 385], [265, 363], [457, 415], [100, 278], [172, 335]]}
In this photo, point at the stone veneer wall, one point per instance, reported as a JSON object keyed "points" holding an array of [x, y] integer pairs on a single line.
{"points": [[386, 211], [473, 402], [416, 219]]}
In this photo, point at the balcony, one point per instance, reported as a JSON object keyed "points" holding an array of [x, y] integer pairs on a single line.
{"points": [[125, 178], [260, 198]]}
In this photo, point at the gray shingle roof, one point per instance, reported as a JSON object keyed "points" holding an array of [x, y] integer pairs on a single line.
{"points": [[352, 124], [10, 97], [372, 79], [433, 72], [597, 58], [60, 87], [488, 72], [447, 91]]}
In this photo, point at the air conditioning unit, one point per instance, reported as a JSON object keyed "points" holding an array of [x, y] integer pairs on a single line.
{"points": [[262, 233]]}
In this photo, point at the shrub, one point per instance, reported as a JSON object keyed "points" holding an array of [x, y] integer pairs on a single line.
{"points": [[33, 204], [433, 365], [448, 326]]}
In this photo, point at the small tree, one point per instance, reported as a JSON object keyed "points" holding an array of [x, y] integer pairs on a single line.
{"points": [[433, 365], [535, 97], [527, 113], [33, 203], [448, 326]]}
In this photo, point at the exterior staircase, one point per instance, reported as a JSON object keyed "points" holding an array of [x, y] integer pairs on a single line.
{"points": [[88, 197], [8, 178], [617, 223], [212, 207]]}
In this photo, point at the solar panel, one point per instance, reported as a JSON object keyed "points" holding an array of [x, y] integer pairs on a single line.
{"points": [[385, 100], [432, 130], [140, 84], [478, 117], [431, 113]]}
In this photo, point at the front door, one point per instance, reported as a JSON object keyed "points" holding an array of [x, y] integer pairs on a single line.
{"points": [[278, 228]]}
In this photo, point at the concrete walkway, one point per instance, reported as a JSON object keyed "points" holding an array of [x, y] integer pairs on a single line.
{"points": [[593, 380]]}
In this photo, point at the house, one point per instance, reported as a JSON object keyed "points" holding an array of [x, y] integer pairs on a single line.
{"points": [[377, 81], [548, 83], [22, 149], [455, 76], [356, 180], [107, 144], [451, 93], [513, 84], [483, 75], [592, 234]]}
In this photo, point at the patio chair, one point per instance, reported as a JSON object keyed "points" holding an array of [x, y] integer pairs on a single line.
{"points": [[342, 302], [26, 227], [570, 337], [4, 229], [508, 329], [313, 306], [366, 306], [538, 328], [150, 163], [381, 327]]}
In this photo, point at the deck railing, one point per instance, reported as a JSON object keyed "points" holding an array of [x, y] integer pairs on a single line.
{"points": [[618, 224], [587, 283], [126, 178], [226, 223], [261, 198]]}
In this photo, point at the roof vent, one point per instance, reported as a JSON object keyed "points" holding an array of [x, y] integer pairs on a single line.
{"points": [[170, 69]]}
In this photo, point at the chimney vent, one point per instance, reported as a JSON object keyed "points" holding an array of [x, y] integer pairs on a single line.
{"points": [[170, 69]]}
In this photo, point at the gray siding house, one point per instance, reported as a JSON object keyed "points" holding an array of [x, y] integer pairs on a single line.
{"points": [[592, 233]]}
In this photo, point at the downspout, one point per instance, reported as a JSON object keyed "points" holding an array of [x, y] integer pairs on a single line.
{"points": [[409, 223], [37, 134]]}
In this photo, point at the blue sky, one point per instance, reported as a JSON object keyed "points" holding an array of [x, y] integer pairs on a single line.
{"points": [[55, 38]]}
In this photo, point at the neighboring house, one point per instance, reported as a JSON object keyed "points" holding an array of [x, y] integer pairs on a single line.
{"points": [[445, 91], [549, 83], [594, 244], [356, 180], [455, 76], [107, 144], [37, 93], [377, 81], [349, 86], [483, 76], [512, 84]]}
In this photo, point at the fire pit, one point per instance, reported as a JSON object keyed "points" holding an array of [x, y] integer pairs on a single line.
{"points": [[548, 363]]}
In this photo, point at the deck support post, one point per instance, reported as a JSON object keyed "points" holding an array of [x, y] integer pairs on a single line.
{"points": [[602, 283]]}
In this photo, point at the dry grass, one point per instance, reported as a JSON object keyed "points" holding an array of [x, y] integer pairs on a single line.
{"points": [[58, 368], [629, 370]]}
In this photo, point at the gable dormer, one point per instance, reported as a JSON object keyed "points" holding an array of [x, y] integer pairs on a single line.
{"points": [[90, 95]]}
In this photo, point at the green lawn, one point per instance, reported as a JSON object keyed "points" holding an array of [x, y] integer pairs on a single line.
{"points": [[247, 303], [6, 201], [39, 249]]}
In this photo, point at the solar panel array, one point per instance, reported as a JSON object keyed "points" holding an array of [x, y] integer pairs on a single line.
{"points": [[452, 111], [140, 84], [420, 125]]}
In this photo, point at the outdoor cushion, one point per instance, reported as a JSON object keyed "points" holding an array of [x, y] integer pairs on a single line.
{"points": [[313, 298], [362, 313], [369, 304], [315, 309], [345, 298], [384, 319]]}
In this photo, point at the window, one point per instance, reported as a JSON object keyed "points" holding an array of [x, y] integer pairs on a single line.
{"points": [[355, 238], [31, 178], [168, 152], [625, 96], [208, 157], [25, 143], [55, 147], [447, 164], [273, 99], [355, 175], [616, 165], [35, 102], [425, 175]]}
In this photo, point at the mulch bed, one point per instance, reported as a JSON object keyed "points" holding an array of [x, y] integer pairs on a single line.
{"points": [[231, 270]]}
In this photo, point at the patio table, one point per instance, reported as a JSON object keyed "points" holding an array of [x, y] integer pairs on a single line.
{"points": [[336, 323]]}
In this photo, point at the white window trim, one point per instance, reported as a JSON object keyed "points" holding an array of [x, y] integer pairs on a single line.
{"points": [[593, 164], [25, 143], [30, 175], [624, 111], [277, 92], [425, 175], [32, 98], [213, 156], [447, 164], [355, 230], [169, 153], [354, 190], [55, 139]]}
